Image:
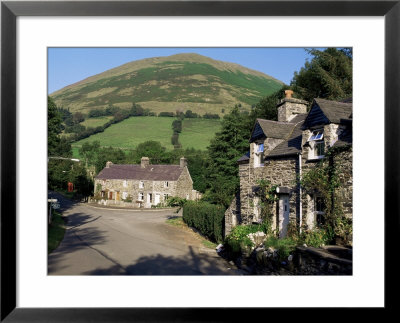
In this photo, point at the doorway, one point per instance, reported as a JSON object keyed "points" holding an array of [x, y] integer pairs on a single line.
{"points": [[284, 210]]}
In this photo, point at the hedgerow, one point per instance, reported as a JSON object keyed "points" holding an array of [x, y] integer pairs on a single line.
{"points": [[205, 217]]}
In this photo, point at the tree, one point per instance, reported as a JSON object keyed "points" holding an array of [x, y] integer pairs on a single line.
{"points": [[152, 149], [56, 146], [224, 151], [90, 151], [328, 75]]}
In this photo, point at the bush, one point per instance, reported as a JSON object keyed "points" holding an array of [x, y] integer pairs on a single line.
{"points": [[316, 237], [238, 238], [176, 201], [205, 217], [166, 114], [284, 246]]}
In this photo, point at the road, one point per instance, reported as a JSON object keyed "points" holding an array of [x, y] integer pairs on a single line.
{"points": [[100, 241]]}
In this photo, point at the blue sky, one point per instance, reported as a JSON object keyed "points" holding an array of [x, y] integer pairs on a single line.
{"points": [[70, 65]]}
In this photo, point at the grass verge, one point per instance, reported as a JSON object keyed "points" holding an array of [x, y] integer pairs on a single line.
{"points": [[56, 232]]}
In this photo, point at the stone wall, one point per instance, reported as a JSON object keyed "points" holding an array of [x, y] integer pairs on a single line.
{"points": [[232, 215], [281, 172], [184, 186], [344, 166]]}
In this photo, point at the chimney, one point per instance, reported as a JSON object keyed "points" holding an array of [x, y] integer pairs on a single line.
{"points": [[182, 162], [108, 164], [144, 162], [289, 107]]}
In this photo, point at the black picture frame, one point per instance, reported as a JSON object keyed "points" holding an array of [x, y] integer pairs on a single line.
{"points": [[10, 10]]}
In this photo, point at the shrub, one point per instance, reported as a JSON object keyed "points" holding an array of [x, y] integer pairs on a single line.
{"points": [[176, 201], [205, 217], [316, 237], [284, 246], [238, 238]]}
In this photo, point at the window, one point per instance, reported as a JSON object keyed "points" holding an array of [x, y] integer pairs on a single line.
{"points": [[165, 184], [125, 183], [317, 145], [141, 197], [166, 196], [259, 154], [124, 195], [319, 207], [141, 184]]}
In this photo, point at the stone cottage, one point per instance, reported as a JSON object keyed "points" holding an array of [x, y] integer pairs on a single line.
{"points": [[144, 185], [282, 151]]}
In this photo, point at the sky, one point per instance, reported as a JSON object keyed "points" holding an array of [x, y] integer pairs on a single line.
{"points": [[70, 65]]}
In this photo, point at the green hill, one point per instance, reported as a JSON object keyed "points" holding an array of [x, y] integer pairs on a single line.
{"points": [[196, 133], [178, 82]]}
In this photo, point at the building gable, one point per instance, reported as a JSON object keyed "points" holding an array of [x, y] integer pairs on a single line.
{"points": [[257, 133], [315, 117]]}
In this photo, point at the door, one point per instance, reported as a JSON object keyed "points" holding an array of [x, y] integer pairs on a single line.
{"points": [[283, 214], [118, 197], [157, 200], [149, 198]]}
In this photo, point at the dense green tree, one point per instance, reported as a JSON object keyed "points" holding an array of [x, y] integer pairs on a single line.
{"points": [[115, 155], [56, 145], [328, 75], [227, 146], [90, 151]]}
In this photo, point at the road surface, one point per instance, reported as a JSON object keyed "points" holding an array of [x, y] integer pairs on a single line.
{"points": [[100, 241]]}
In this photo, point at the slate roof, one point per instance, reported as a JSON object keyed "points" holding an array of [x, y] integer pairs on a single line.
{"points": [[345, 139], [245, 158], [292, 145], [136, 172], [275, 129], [335, 111]]}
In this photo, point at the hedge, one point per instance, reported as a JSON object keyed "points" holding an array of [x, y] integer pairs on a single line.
{"points": [[205, 217]]}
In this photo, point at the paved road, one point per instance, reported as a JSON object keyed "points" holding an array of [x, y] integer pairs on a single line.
{"points": [[101, 241]]}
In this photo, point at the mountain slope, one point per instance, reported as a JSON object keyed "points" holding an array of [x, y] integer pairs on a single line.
{"points": [[182, 81]]}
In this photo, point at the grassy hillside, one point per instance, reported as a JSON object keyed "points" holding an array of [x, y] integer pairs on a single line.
{"points": [[185, 81], [129, 133]]}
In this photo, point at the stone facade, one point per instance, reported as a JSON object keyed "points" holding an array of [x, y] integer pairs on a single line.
{"points": [[283, 162], [145, 191]]}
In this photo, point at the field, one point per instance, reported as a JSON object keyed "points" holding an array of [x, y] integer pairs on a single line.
{"points": [[197, 133], [129, 133]]}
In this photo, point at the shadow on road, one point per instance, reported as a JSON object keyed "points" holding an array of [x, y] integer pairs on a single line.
{"points": [[191, 264]]}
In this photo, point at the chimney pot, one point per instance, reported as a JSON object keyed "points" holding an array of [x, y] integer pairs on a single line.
{"points": [[288, 94], [108, 164]]}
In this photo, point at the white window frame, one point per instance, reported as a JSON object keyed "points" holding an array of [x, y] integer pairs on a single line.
{"points": [[258, 154], [124, 195], [141, 184], [316, 139], [166, 196], [125, 183], [141, 196], [166, 184]]}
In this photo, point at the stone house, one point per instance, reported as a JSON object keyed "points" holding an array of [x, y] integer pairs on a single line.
{"points": [[144, 185], [282, 151]]}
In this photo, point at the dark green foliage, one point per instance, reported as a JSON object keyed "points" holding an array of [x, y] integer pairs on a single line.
{"points": [[328, 75], [176, 201], [205, 217], [115, 155], [191, 114], [55, 145], [177, 126], [211, 116], [225, 149], [266, 107], [166, 114], [78, 117], [136, 110]]}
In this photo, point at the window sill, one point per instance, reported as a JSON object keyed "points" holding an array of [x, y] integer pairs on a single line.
{"points": [[258, 166], [315, 159]]}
